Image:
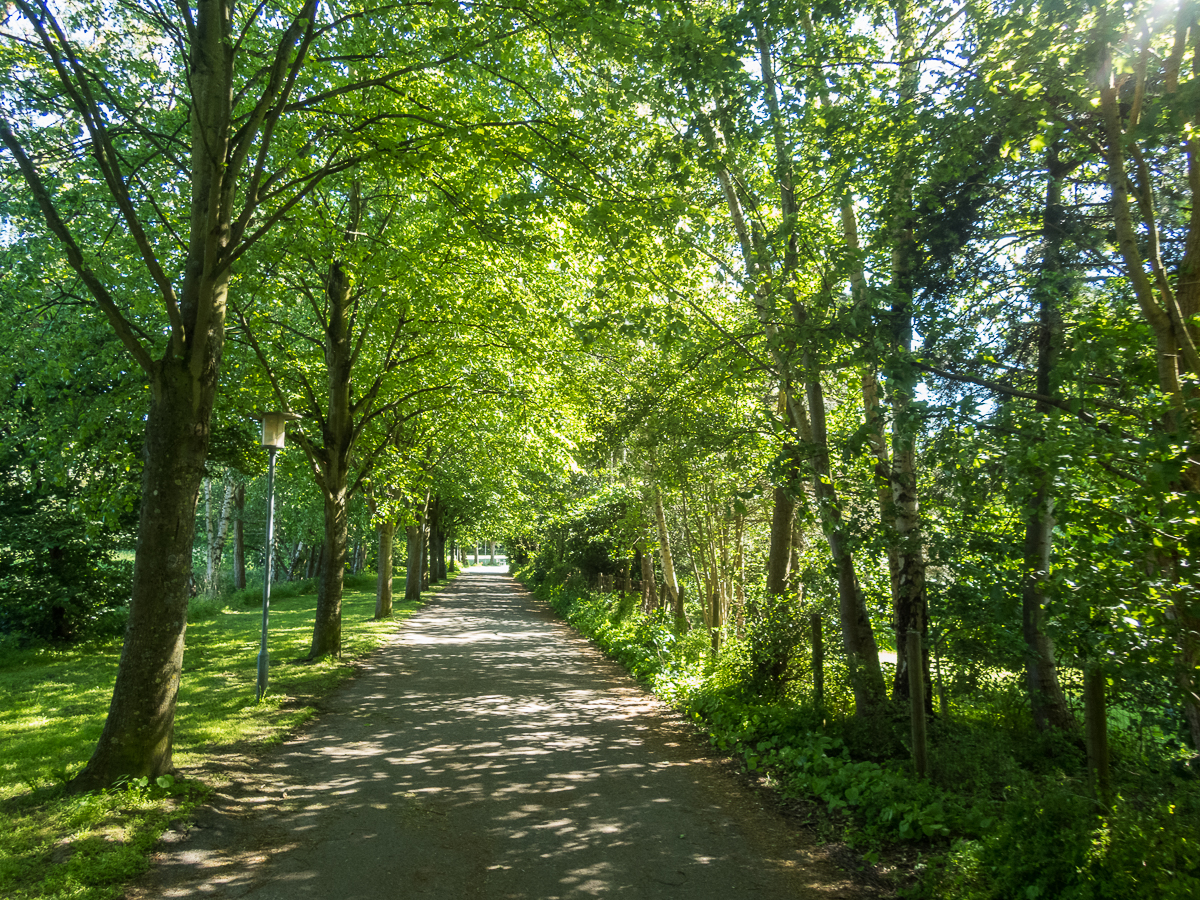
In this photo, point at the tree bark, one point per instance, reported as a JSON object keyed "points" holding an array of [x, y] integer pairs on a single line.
{"points": [[670, 582], [239, 538], [911, 611], [1095, 715], [137, 736], [649, 592], [779, 554], [218, 535], [1048, 703], [413, 573], [383, 588]]}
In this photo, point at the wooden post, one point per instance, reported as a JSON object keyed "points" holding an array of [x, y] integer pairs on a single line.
{"points": [[1095, 715], [916, 692], [818, 660]]}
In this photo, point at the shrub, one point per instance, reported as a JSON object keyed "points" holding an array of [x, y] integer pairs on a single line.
{"points": [[57, 582]]}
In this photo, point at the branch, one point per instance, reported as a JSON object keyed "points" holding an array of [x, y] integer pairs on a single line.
{"points": [[74, 255], [73, 77]]}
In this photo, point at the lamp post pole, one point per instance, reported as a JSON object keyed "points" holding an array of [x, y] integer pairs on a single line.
{"points": [[273, 440]]}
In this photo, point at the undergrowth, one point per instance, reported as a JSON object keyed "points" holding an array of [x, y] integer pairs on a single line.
{"points": [[1006, 812]]}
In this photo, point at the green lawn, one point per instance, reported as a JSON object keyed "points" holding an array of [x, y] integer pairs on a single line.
{"points": [[55, 845]]}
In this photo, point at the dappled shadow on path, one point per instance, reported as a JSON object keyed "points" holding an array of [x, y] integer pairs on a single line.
{"points": [[490, 752]]}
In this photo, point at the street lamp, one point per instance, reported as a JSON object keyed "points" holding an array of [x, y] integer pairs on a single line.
{"points": [[272, 439]]}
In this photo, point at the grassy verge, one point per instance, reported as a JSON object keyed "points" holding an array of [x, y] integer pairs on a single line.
{"points": [[87, 847]]}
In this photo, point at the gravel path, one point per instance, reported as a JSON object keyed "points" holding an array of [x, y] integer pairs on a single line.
{"points": [[488, 751]]}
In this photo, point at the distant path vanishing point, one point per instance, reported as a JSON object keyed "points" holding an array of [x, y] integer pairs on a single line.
{"points": [[490, 752]]}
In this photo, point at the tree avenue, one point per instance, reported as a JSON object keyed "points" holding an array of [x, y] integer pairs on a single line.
{"points": [[833, 367]]}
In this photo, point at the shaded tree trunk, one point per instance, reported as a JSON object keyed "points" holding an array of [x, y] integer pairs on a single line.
{"points": [[137, 736], [911, 613], [670, 583], [414, 575], [383, 587], [783, 513], [649, 594], [1046, 697], [218, 532], [239, 538]]}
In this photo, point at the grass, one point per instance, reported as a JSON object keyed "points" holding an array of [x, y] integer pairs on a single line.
{"points": [[54, 845]]}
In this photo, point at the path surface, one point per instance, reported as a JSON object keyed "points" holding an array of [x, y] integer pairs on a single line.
{"points": [[490, 752]]}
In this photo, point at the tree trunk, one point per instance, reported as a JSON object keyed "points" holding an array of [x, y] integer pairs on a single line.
{"points": [[1046, 697], [137, 736], [1095, 715], [327, 628], [649, 594], [413, 576], [818, 659], [239, 538], [443, 573], [432, 523], [423, 537], [217, 536], [331, 460], [910, 602], [858, 638], [670, 582], [383, 587], [779, 555], [916, 700], [136, 739]]}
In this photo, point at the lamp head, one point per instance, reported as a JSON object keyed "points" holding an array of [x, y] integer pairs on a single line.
{"points": [[272, 430]]}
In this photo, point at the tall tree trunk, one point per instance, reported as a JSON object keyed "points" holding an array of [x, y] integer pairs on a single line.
{"points": [[442, 573], [137, 736], [1046, 697], [414, 573], [857, 635], [873, 415], [649, 591], [783, 513], [217, 536], [910, 602], [383, 587], [327, 629], [1169, 300], [423, 539], [331, 460], [670, 582], [239, 538], [136, 739], [858, 638]]}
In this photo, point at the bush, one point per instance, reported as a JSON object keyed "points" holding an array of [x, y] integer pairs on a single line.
{"points": [[1057, 842], [57, 583]]}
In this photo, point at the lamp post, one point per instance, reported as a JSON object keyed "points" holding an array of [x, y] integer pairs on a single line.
{"points": [[272, 439]]}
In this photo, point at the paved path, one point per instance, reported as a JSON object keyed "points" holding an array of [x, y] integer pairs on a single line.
{"points": [[488, 751]]}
